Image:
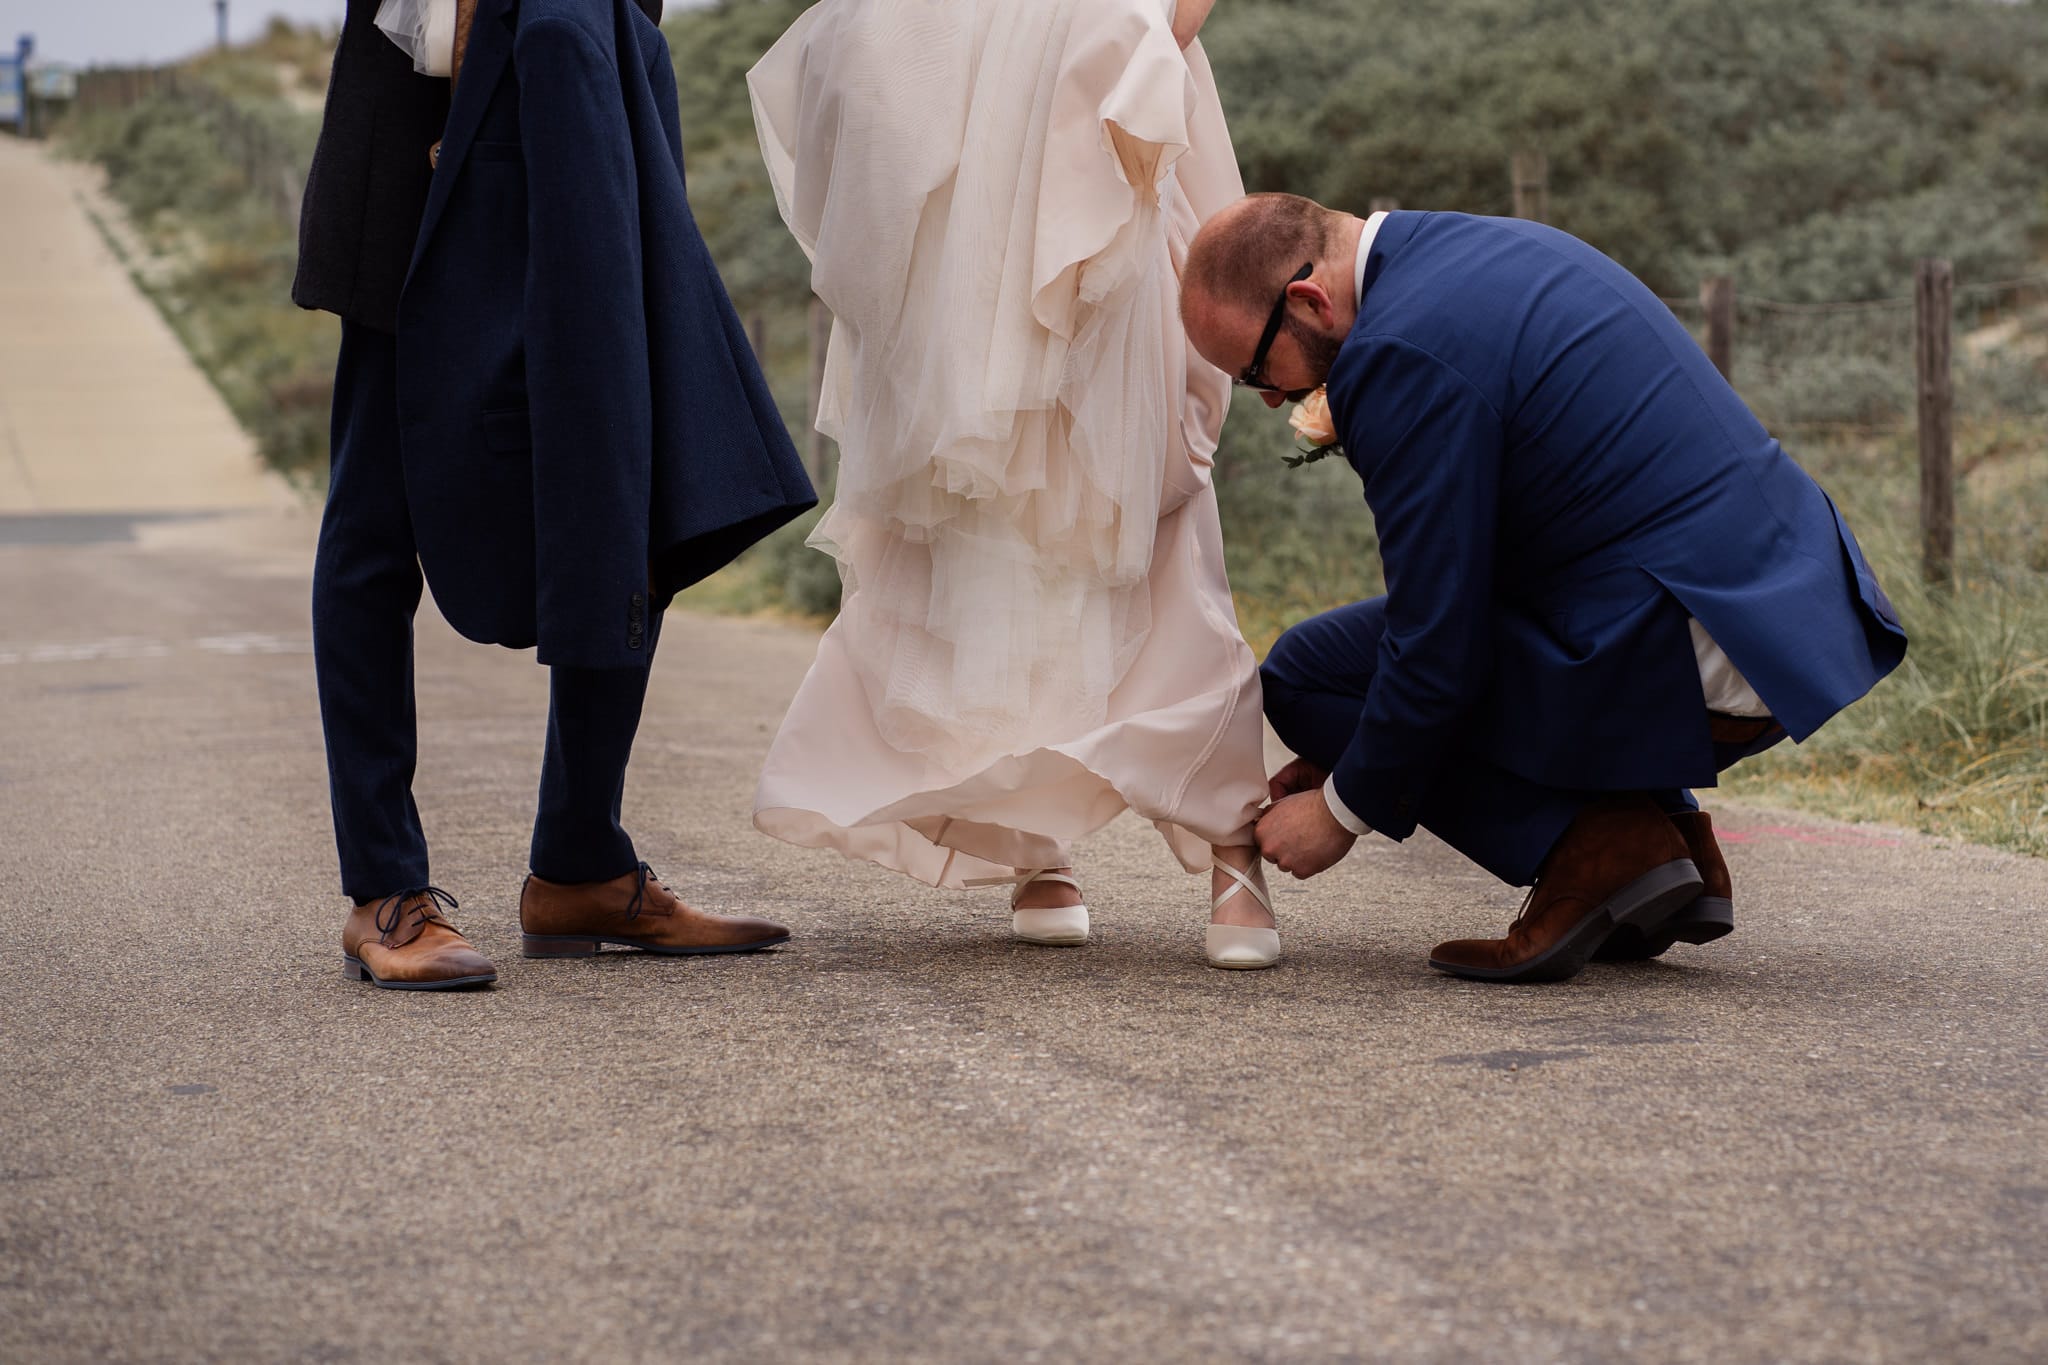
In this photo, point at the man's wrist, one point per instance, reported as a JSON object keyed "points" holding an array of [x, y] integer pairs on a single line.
{"points": [[1342, 812]]}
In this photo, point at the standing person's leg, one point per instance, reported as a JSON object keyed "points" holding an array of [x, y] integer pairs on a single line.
{"points": [[366, 588], [589, 886], [1316, 679], [578, 831]]}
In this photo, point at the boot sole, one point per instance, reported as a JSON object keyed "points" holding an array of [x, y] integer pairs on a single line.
{"points": [[1706, 919], [354, 969], [1643, 905], [589, 945]]}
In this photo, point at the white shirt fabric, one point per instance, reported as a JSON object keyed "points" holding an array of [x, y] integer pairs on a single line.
{"points": [[1726, 690], [425, 29]]}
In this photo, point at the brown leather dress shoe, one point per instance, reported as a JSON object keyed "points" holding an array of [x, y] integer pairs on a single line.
{"points": [[633, 911], [1710, 916], [1622, 862], [404, 943]]}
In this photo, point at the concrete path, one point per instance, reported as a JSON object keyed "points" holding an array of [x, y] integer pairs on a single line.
{"points": [[904, 1137], [100, 409]]}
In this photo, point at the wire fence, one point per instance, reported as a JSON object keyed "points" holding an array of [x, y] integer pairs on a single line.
{"points": [[273, 166], [1849, 368]]}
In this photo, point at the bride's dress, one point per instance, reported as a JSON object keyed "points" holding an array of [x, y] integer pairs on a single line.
{"points": [[1036, 630]]}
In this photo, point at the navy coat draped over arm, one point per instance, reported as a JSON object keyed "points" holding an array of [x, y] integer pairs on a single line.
{"points": [[586, 431]]}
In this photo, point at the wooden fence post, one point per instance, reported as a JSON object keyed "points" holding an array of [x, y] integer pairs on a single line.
{"points": [[1717, 297], [1934, 306], [815, 450], [1529, 173], [757, 333]]}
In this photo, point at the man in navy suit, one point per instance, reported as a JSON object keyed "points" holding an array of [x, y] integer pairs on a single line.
{"points": [[547, 411], [1605, 581]]}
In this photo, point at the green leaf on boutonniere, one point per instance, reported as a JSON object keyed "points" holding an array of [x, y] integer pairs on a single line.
{"points": [[1311, 456]]}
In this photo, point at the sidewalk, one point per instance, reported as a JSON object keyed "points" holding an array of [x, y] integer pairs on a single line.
{"points": [[101, 410]]}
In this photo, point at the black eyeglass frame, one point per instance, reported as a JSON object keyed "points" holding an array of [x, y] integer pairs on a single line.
{"points": [[1250, 378]]}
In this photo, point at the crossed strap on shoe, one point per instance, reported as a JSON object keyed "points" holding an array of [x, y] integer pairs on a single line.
{"points": [[1241, 947], [1245, 882]]}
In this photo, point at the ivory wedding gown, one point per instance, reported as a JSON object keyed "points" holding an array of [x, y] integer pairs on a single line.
{"points": [[1036, 632]]}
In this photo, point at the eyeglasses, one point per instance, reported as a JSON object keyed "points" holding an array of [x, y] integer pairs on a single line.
{"points": [[1251, 378]]}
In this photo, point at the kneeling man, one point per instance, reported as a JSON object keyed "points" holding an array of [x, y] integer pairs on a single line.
{"points": [[1605, 581]]}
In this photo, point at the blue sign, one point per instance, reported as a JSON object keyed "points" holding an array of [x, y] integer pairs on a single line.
{"points": [[10, 91]]}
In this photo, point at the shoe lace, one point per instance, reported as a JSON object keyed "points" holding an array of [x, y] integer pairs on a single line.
{"points": [[644, 875], [1528, 902], [426, 902]]}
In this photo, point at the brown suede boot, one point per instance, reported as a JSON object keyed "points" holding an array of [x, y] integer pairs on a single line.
{"points": [[1710, 916], [633, 911], [404, 943], [1621, 862]]}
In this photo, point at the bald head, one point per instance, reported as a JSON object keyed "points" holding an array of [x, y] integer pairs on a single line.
{"points": [[1238, 266]]}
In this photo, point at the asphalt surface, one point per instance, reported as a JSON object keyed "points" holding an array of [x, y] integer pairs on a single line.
{"points": [[904, 1137]]}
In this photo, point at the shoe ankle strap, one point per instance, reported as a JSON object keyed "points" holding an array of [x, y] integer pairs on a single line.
{"points": [[1023, 881]]}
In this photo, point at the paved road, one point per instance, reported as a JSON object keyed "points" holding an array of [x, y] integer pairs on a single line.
{"points": [[903, 1137]]}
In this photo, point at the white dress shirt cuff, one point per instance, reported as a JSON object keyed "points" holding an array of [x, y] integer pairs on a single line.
{"points": [[1342, 811]]}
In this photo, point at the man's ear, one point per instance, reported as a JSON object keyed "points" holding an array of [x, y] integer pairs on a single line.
{"points": [[1319, 301]]}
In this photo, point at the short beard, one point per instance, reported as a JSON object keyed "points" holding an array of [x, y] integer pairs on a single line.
{"points": [[1319, 351]]}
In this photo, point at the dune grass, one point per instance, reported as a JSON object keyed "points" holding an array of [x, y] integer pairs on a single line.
{"points": [[1955, 742]]}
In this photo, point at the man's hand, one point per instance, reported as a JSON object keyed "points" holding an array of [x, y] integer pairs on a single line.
{"points": [[1299, 836], [1298, 776]]}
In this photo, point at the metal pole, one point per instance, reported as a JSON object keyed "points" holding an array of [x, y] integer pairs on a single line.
{"points": [[220, 16]]}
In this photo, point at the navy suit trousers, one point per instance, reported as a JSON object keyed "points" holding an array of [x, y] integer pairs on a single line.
{"points": [[1315, 681], [366, 589]]}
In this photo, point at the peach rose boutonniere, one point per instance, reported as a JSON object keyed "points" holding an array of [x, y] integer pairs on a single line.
{"points": [[1315, 430]]}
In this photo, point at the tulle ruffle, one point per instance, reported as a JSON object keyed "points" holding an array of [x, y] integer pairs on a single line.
{"points": [[984, 188]]}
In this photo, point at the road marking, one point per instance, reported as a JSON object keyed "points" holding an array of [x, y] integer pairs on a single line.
{"points": [[134, 647], [251, 643]]}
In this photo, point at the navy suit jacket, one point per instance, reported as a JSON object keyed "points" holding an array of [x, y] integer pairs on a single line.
{"points": [[585, 430], [1560, 478]]}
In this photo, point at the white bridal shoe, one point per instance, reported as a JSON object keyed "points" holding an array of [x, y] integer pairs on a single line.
{"points": [[1053, 926], [1240, 947]]}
